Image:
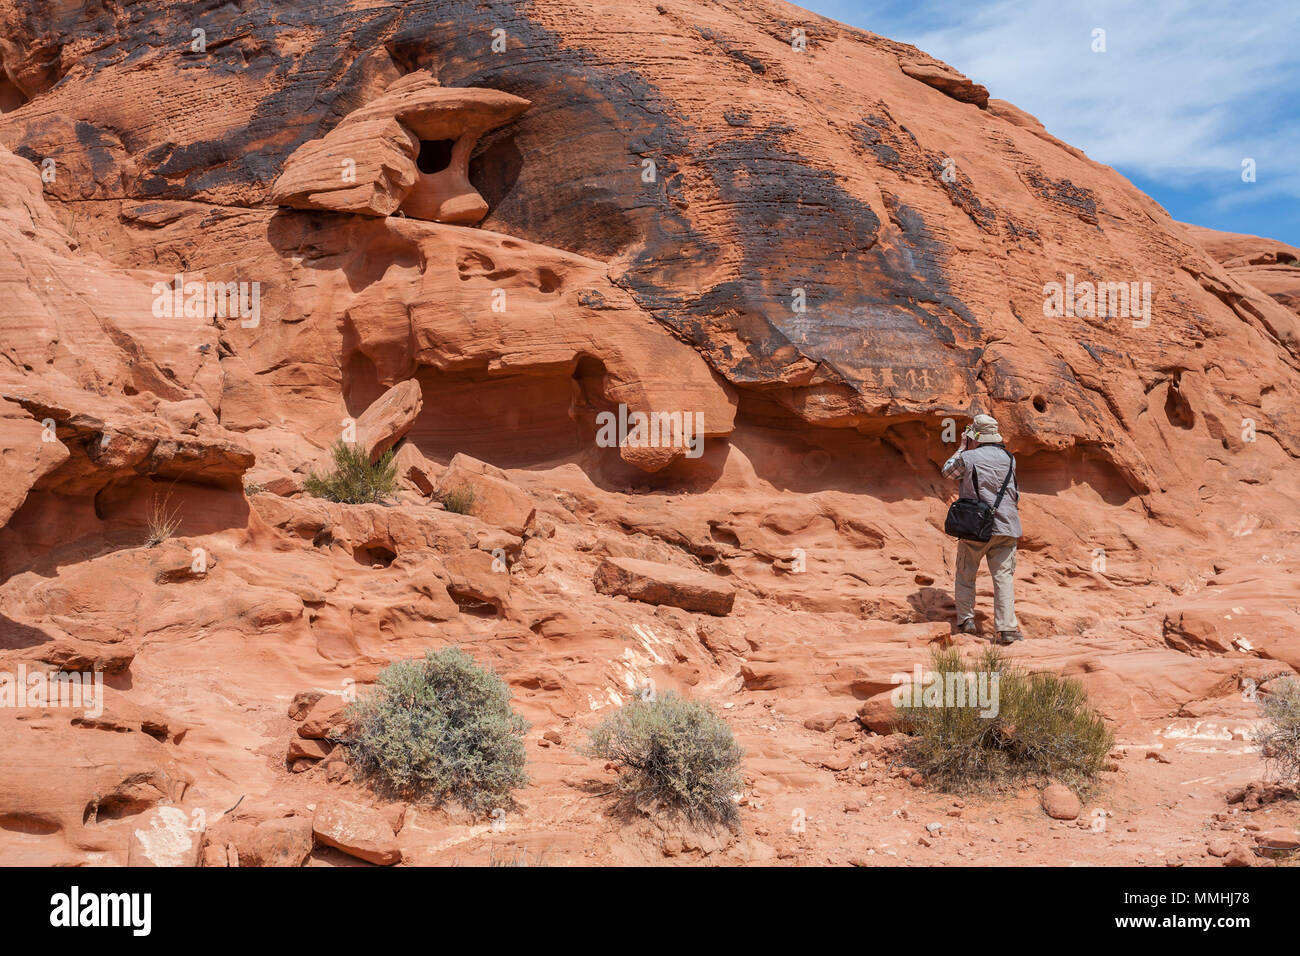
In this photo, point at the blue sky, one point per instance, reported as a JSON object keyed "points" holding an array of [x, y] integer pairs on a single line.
{"points": [[1185, 91]]}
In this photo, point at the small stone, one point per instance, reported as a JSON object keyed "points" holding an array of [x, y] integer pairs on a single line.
{"points": [[1219, 847], [1060, 803], [1240, 855], [309, 749], [302, 702]]}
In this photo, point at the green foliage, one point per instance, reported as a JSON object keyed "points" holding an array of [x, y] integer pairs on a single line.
{"points": [[673, 754], [459, 499], [1279, 734], [1043, 726], [437, 729], [355, 479]]}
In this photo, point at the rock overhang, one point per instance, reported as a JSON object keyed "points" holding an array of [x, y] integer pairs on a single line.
{"points": [[370, 163]]}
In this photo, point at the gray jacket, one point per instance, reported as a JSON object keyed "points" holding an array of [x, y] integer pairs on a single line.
{"points": [[990, 463]]}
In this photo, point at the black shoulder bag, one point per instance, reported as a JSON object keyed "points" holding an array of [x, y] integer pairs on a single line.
{"points": [[970, 518]]}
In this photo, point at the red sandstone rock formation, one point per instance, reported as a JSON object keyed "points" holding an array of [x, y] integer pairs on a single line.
{"points": [[1270, 266], [817, 256]]}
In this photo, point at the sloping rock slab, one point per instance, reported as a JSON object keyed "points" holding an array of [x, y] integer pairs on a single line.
{"points": [[656, 583]]}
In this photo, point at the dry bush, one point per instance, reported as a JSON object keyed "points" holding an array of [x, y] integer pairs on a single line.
{"points": [[674, 755], [1279, 735], [161, 520], [1044, 726], [439, 729]]}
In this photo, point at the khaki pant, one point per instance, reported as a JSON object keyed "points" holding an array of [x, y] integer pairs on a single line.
{"points": [[1000, 551]]}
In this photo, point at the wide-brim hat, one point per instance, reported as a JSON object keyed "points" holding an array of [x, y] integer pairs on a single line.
{"points": [[987, 427]]}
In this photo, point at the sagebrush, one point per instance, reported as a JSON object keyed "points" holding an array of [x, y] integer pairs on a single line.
{"points": [[439, 728], [1039, 725], [674, 755], [355, 480], [1279, 734]]}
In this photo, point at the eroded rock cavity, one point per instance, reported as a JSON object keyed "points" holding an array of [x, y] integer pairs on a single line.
{"points": [[408, 150]]}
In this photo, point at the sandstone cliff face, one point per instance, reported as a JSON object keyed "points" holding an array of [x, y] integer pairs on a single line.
{"points": [[559, 213], [1270, 266]]}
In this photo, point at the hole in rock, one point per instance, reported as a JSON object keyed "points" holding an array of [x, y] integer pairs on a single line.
{"points": [[22, 822], [117, 805], [548, 281], [11, 97], [435, 155], [725, 536], [1177, 409], [1040, 403], [471, 605], [373, 554]]}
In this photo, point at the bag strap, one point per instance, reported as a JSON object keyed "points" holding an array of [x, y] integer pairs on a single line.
{"points": [[1005, 481]]}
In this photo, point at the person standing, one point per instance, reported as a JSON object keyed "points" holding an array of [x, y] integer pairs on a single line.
{"points": [[981, 464]]}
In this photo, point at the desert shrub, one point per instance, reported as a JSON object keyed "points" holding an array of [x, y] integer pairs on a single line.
{"points": [[437, 729], [1021, 725], [674, 755], [355, 480], [1279, 734], [459, 499], [161, 520]]}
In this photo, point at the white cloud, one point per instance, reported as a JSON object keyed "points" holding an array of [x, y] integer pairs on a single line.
{"points": [[1184, 92]]}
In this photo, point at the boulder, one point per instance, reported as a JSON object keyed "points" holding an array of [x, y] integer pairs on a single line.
{"points": [[1060, 803], [357, 831], [414, 471], [389, 417], [323, 717], [165, 837], [277, 842], [656, 583], [487, 494], [476, 577], [878, 713], [301, 748]]}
